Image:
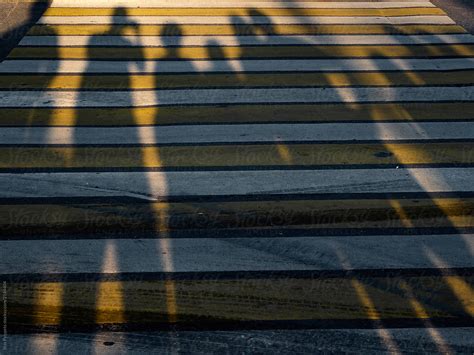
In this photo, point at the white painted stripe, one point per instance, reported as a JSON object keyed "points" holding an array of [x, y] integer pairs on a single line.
{"points": [[191, 134], [143, 98], [236, 66], [186, 41], [225, 20], [246, 254], [158, 185], [237, 4]]}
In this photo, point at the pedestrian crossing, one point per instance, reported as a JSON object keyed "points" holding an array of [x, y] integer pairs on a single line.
{"points": [[238, 164]]}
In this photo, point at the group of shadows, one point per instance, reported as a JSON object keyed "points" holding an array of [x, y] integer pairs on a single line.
{"points": [[378, 299]]}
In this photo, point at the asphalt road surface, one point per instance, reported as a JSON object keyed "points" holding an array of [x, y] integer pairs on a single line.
{"points": [[237, 176]]}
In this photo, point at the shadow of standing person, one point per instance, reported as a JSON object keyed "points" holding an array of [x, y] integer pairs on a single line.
{"points": [[126, 54], [169, 71], [171, 68], [96, 83]]}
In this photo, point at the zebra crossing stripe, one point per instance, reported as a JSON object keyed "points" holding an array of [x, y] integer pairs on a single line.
{"points": [[188, 4], [238, 30], [256, 20], [246, 52], [336, 12], [37, 66], [225, 41], [172, 184], [236, 114], [211, 80], [165, 97], [230, 297], [291, 217], [242, 133], [233, 156]]}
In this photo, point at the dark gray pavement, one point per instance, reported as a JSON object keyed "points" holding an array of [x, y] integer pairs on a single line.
{"points": [[17, 17], [461, 11]]}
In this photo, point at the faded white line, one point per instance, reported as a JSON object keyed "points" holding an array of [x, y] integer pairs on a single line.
{"points": [[237, 4], [202, 41], [232, 96], [238, 66], [225, 133], [234, 254], [152, 186], [225, 20]]}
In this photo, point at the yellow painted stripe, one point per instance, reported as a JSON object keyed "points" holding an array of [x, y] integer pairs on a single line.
{"points": [[416, 11], [285, 29], [245, 299], [234, 156], [123, 217], [336, 51], [71, 82], [236, 114]]}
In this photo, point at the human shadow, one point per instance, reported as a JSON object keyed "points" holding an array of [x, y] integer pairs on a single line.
{"points": [[119, 76], [98, 83]]}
